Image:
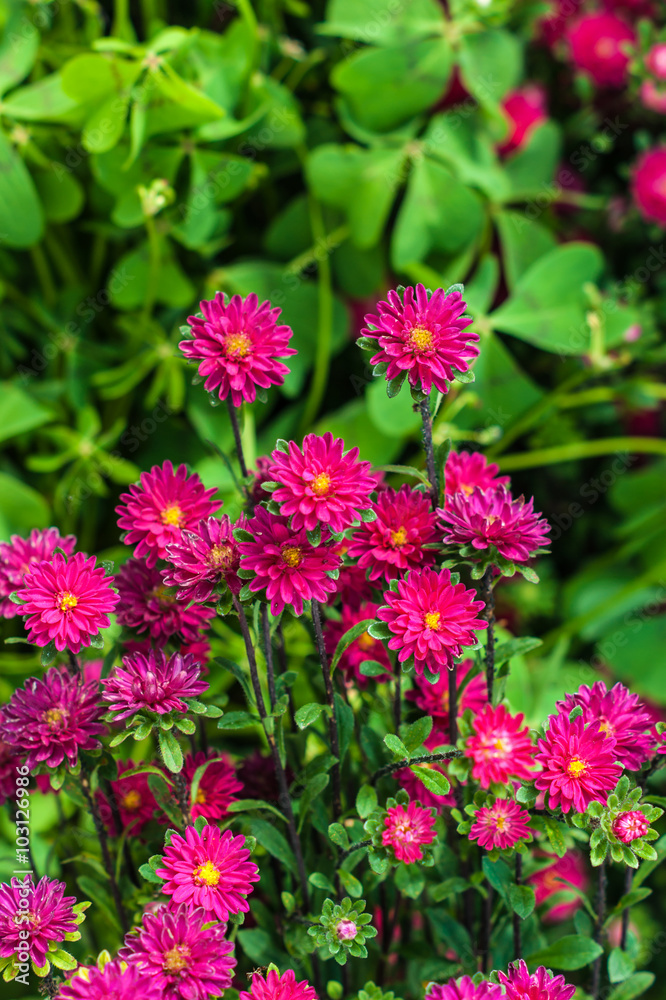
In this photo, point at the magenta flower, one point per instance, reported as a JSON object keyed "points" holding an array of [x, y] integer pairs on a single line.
{"points": [[620, 714], [147, 606], [550, 883], [361, 650], [501, 747], [655, 60], [136, 803], [492, 518], [423, 337], [209, 869], [394, 542], [66, 601], [52, 718], [41, 911], [152, 683], [218, 786], [524, 109], [433, 698], [261, 475], [600, 46], [579, 764], [630, 826], [116, 981], [285, 564], [407, 830], [237, 344], [502, 825], [542, 985], [321, 484], [648, 185], [463, 989], [653, 96], [164, 504], [466, 470], [278, 987], [17, 557], [185, 958], [415, 787], [431, 619], [205, 559]]}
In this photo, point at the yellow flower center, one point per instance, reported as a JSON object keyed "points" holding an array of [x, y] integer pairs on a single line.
{"points": [[605, 726], [605, 48], [220, 556], [365, 641], [159, 593], [201, 797], [431, 620], [499, 744], [238, 345], [131, 801], [206, 874], [54, 718], [172, 515], [321, 484], [398, 538], [577, 767], [67, 601], [292, 556], [500, 823], [420, 338], [176, 959]]}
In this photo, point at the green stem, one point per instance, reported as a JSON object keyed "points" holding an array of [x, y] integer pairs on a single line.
{"points": [[122, 24], [429, 449], [237, 437], [325, 320], [330, 698], [84, 779], [154, 258], [428, 758], [581, 449]]}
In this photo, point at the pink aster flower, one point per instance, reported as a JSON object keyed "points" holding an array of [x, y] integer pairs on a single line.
{"points": [[116, 981], [209, 869], [600, 45], [431, 619], [278, 987], [394, 542], [579, 764], [407, 830], [42, 910], [550, 885], [218, 786], [185, 958], [67, 602], [630, 826], [655, 60], [18, 555], [653, 96], [415, 787], [465, 470], [352, 585], [433, 699], [285, 564], [541, 985], [489, 518], [237, 343], [151, 682], [524, 109], [501, 747], [134, 799], [52, 718], [361, 650], [147, 606], [321, 484], [620, 714], [157, 510], [205, 559], [463, 989], [422, 336], [648, 185], [501, 825]]}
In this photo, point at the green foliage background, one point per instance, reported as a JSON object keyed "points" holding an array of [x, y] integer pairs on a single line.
{"points": [[308, 159]]}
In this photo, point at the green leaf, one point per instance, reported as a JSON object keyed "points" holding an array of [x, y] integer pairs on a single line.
{"points": [[247, 805], [366, 801], [273, 841], [523, 242], [350, 636], [309, 713], [371, 668], [491, 64], [237, 720], [570, 952], [548, 305], [171, 751], [499, 875], [620, 965], [531, 171], [413, 735], [383, 22], [320, 881], [62, 959], [21, 216], [521, 898], [515, 647], [633, 987], [338, 835], [395, 745], [351, 883], [434, 781], [410, 880], [19, 46]]}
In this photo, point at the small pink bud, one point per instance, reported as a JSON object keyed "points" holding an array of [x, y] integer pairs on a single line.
{"points": [[346, 930], [630, 825], [656, 60]]}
